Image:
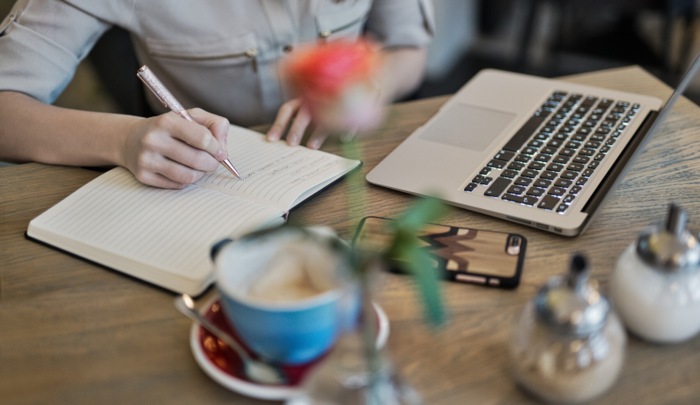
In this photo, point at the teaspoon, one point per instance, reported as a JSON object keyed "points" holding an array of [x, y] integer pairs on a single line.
{"points": [[256, 370]]}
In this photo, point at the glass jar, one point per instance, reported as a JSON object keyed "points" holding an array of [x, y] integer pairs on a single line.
{"points": [[567, 346], [656, 283]]}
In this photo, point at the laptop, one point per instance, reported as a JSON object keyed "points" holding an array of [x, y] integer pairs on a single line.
{"points": [[535, 151]]}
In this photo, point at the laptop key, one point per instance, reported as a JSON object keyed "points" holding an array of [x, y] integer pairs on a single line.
{"points": [[497, 187], [578, 138], [581, 159], [549, 150], [517, 190], [496, 164], [598, 137], [592, 145], [534, 191], [561, 159], [575, 167], [593, 165], [527, 200], [509, 173], [504, 156], [568, 175], [567, 152], [586, 152], [522, 181], [599, 157], [542, 158], [606, 102], [536, 166], [523, 134], [555, 167], [485, 171], [529, 151], [529, 173], [562, 208], [567, 129], [470, 187], [556, 191], [522, 158], [547, 175], [486, 181], [563, 183], [568, 199], [590, 100], [542, 183], [548, 202], [581, 181], [477, 179], [575, 190], [516, 166]]}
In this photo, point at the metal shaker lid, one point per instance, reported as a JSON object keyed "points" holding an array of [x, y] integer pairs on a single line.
{"points": [[671, 247], [570, 304]]}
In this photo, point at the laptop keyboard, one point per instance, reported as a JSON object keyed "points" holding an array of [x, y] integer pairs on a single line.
{"points": [[547, 163]]}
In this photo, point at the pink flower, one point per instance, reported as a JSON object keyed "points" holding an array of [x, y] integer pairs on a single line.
{"points": [[336, 80]]}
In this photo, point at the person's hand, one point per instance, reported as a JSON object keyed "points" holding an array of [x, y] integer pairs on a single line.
{"points": [[170, 152], [296, 114]]}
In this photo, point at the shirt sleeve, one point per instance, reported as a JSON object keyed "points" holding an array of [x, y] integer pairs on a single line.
{"points": [[402, 23], [41, 44]]}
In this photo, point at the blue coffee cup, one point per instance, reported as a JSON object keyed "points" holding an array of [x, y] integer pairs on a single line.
{"points": [[286, 332]]}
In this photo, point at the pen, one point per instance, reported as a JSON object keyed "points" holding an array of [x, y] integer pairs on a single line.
{"points": [[164, 96]]}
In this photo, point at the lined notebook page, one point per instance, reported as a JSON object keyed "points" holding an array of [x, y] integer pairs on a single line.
{"points": [[275, 174], [155, 234]]}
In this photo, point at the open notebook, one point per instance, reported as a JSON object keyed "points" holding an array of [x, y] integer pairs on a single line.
{"points": [[164, 236]]}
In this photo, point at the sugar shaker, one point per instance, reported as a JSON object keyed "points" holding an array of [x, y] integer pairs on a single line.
{"points": [[655, 286], [568, 346]]}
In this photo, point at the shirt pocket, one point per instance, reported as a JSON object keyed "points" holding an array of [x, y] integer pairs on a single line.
{"points": [[346, 23], [14, 14], [240, 50]]}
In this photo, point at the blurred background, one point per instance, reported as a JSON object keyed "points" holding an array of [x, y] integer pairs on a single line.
{"points": [[542, 37]]}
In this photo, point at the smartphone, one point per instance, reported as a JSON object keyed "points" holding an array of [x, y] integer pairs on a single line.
{"points": [[489, 258]]}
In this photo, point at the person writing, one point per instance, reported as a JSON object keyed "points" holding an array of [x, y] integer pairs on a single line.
{"points": [[220, 56]]}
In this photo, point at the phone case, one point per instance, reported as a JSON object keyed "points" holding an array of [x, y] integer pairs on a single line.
{"points": [[465, 255]]}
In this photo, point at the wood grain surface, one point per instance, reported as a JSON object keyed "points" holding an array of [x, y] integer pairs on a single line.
{"points": [[72, 332]]}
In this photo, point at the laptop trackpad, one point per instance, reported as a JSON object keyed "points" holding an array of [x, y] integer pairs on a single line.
{"points": [[467, 127]]}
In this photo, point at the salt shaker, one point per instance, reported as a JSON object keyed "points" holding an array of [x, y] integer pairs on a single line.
{"points": [[656, 283], [568, 346]]}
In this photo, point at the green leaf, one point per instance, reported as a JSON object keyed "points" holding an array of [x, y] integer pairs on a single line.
{"points": [[406, 252]]}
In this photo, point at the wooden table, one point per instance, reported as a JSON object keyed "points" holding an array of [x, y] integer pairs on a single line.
{"points": [[74, 333]]}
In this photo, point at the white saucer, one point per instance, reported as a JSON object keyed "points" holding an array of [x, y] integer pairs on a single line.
{"points": [[253, 389]]}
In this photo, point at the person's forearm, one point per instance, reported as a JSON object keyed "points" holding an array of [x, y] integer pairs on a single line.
{"points": [[34, 131], [402, 72]]}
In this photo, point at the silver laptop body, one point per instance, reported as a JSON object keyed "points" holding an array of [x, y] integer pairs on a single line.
{"points": [[535, 151]]}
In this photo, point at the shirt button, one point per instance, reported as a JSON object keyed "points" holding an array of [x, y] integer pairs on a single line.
{"points": [[287, 48]]}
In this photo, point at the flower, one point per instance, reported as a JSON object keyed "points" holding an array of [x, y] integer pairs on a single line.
{"points": [[337, 82]]}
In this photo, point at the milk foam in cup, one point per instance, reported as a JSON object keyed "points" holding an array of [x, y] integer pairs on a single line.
{"points": [[287, 292]]}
